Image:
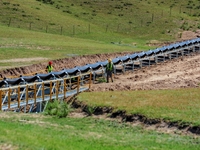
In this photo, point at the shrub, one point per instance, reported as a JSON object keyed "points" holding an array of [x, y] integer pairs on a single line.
{"points": [[90, 110], [101, 80], [57, 108], [198, 26]]}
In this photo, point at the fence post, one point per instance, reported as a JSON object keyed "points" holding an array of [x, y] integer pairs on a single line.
{"points": [[30, 25], [170, 11], [106, 28], [46, 28], [73, 29], [0, 100], [61, 28], [152, 17], [64, 88], [89, 28], [118, 27], [9, 22]]}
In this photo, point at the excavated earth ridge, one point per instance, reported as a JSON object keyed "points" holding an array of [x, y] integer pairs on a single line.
{"points": [[108, 113]]}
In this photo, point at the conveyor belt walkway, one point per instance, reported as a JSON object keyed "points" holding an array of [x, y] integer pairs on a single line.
{"points": [[32, 93]]}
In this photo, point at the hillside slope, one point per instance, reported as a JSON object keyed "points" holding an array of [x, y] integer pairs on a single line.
{"points": [[42, 30], [161, 19]]}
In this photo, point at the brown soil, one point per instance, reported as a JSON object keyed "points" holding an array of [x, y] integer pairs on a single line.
{"points": [[182, 72], [59, 64]]}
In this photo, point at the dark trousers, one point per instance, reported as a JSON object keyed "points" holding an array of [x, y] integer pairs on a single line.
{"points": [[109, 75]]}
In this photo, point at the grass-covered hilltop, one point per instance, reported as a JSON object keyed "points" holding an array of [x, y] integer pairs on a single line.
{"points": [[154, 115], [104, 20], [90, 27]]}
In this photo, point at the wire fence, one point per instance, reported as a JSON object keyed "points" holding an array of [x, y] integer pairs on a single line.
{"points": [[136, 21]]}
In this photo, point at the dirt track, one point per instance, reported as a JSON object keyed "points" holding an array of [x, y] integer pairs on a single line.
{"points": [[179, 73]]}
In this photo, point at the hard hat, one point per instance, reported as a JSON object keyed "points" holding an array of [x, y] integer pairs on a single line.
{"points": [[109, 60], [50, 63]]}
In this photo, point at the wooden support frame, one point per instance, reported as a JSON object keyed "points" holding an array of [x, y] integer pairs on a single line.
{"points": [[24, 94], [90, 80], [65, 89], [0, 100], [35, 91], [78, 84]]}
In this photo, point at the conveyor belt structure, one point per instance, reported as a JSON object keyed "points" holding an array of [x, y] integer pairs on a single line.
{"points": [[32, 93]]}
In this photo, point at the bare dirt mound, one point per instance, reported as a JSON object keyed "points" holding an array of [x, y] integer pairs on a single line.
{"points": [[178, 73], [60, 64], [190, 35]]}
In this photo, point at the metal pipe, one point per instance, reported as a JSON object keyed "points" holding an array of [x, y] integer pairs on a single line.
{"points": [[18, 96], [43, 91], [65, 89], [9, 91], [50, 90], [27, 95], [57, 89]]}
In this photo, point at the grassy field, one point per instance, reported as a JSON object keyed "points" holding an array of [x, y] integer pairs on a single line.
{"points": [[19, 44], [36, 132], [38, 30], [180, 105], [143, 18]]}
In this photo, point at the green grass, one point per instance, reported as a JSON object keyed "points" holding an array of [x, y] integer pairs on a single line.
{"points": [[37, 132], [40, 44], [19, 43], [180, 105], [90, 27], [128, 18], [57, 30]]}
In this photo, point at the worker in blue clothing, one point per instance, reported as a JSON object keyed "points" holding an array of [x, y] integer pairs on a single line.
{"points": [[109, 70]]}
